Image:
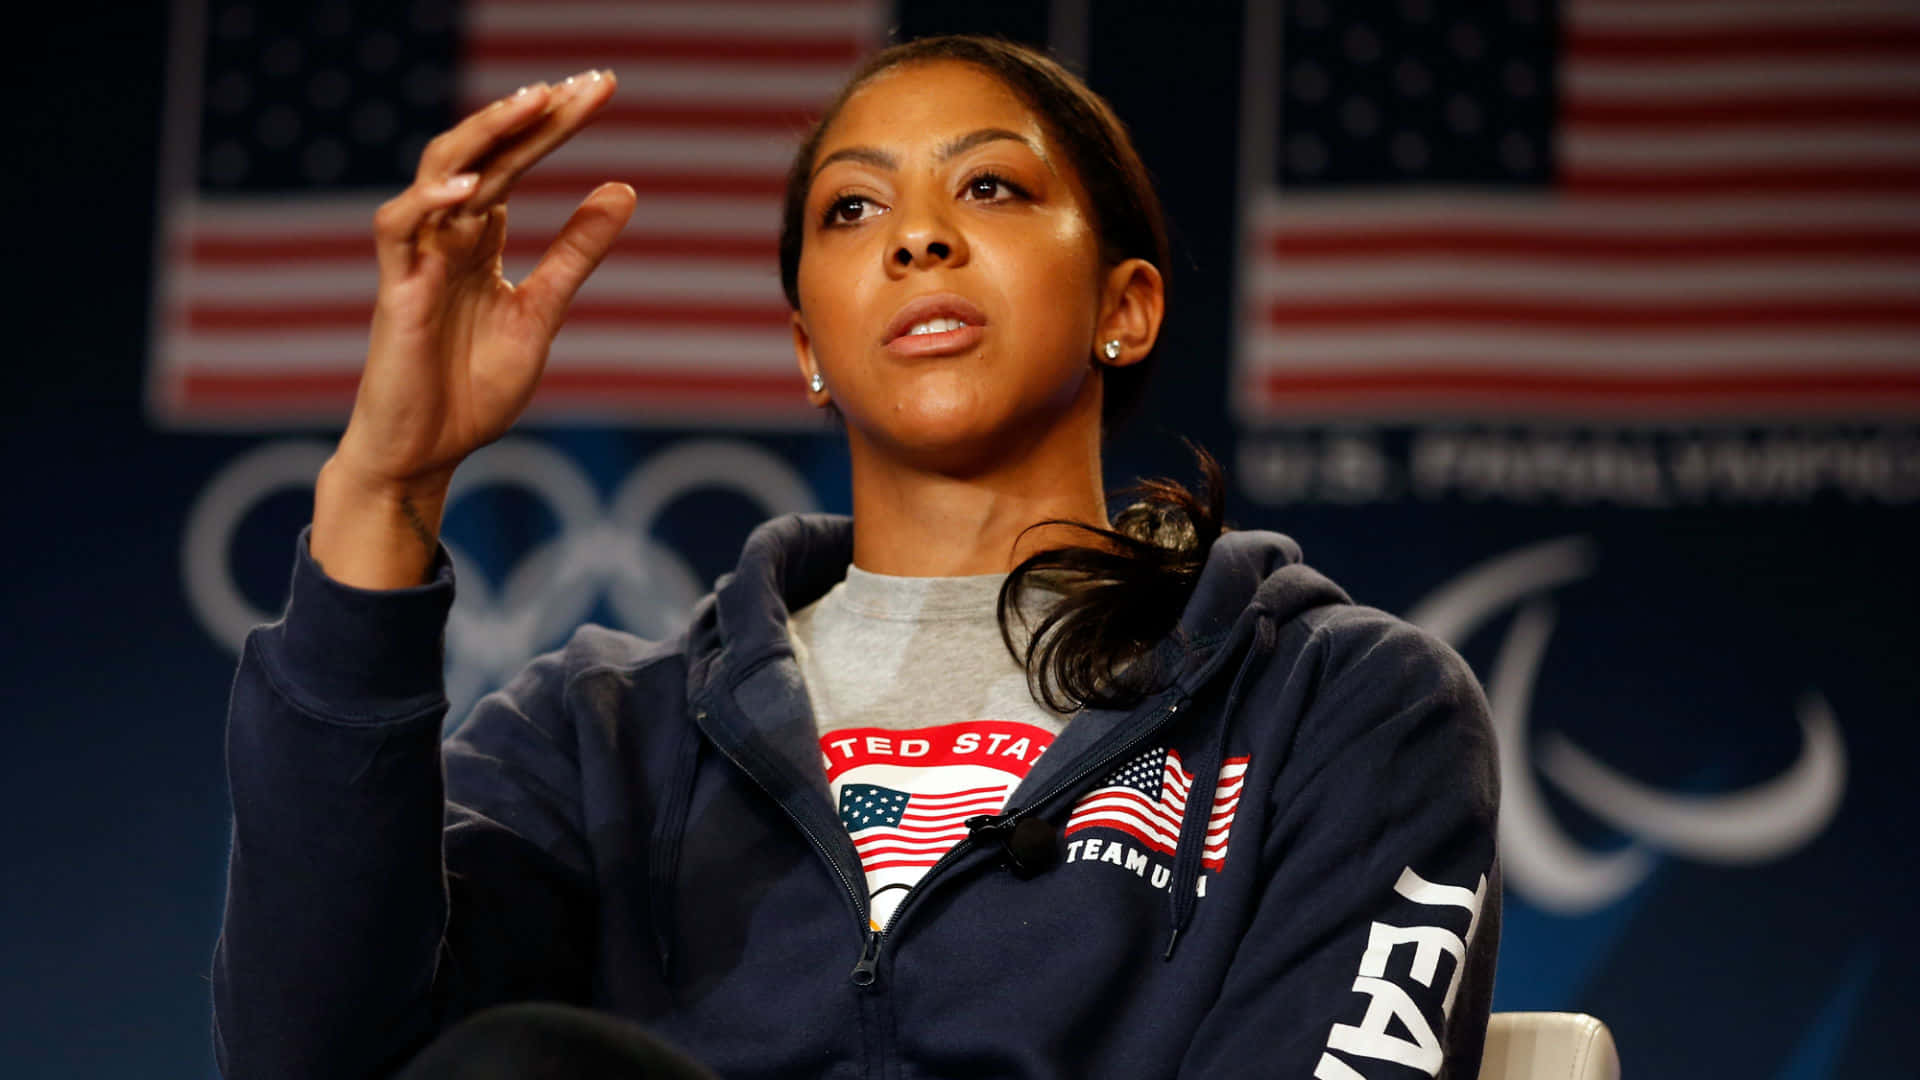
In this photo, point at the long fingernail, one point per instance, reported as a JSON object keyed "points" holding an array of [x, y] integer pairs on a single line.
{"points": [[578, 81], [460, 183]]}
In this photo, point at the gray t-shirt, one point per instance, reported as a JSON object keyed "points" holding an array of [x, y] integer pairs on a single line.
{"points": [[923, 716]]}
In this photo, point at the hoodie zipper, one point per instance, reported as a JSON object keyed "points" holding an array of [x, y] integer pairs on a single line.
{"points": [[865, 972], [857, 895]]}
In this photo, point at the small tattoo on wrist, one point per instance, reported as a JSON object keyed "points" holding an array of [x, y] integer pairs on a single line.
{"points": [[417, 523]]}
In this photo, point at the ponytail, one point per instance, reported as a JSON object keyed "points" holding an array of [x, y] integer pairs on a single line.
{"points": [[1113, 600]]}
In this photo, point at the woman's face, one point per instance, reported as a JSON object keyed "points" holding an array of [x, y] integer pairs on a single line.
{"points": [[939, 200]]}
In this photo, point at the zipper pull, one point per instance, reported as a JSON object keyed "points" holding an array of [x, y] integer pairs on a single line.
{"points": [[987, 826], [1028, 846], [866, 972]]}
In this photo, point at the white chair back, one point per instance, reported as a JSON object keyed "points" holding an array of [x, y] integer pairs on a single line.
{"points": [[1548, 1046]]}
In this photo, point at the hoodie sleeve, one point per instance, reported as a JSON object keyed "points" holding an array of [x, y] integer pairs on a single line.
{"points": [[1370, 951], [364, 911]]}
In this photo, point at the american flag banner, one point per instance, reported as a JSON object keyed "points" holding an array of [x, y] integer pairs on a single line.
{"points": [[1146, 797], [1611, 210], [304, 117], [892, 829]]}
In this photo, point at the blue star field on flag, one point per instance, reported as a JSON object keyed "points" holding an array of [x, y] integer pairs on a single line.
{"points": [[1146, 773], [323, 94], [867, 806], [1418, 93]]}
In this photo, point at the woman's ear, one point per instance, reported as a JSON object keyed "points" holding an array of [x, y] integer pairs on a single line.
{"points": [[810, 373], [1132, 303]]}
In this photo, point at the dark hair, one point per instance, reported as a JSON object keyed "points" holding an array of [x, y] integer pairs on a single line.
{"points": [[1116, 598]]}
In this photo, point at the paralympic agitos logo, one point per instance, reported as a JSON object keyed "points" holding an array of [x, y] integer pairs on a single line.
{"points": [[1543, 863]]}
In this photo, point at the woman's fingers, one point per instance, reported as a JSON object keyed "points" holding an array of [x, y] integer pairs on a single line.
{"points": [[471, 166], [582, 243], [397, 223], [456, 149], [444, 179], [572, 104]]}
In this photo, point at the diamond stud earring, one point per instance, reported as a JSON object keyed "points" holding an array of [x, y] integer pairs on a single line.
{"points": [[815, 383], [1112, 349]]}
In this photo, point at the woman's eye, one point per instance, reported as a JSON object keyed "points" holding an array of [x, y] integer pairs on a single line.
{"points": [[848, 209], [989, 186]]}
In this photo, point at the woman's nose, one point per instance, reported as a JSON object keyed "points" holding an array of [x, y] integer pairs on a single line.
{"points": [[926, 239], [934, 250]]}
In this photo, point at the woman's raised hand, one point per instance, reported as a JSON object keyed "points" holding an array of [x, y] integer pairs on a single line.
{"points": [[456, 349]]}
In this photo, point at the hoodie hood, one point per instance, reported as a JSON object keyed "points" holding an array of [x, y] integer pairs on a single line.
{"points": [[790, 561], [787, 563], [736, 637], [1248, 576]]}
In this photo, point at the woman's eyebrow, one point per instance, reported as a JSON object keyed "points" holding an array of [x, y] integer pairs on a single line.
{"points": [[972, 139], [881, 159], [867, 155]]}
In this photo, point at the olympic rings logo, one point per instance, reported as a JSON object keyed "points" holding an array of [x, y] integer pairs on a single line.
{"points": [[600, 550]]}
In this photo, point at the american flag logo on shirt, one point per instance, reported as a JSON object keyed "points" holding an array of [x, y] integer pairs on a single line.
{"points": [[294, 121], [1624, 210], [1146, 798], [893, 829]]}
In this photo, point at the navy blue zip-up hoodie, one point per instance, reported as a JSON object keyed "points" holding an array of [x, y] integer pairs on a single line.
{"points": [[646, 829]]}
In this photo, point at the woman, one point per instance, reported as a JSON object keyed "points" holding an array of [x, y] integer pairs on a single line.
{"points": [[815, 835]]}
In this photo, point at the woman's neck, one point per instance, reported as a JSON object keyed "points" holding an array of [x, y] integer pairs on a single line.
{"points": [[913, 521]]}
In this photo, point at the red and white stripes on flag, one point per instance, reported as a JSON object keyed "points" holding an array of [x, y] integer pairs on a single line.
{"points": [[266, 301], [1734, 234], [1155, 820], [931, 824]]}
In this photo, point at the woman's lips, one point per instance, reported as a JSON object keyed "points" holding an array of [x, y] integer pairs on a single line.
{"points": [[940, 305], [943, 343]]}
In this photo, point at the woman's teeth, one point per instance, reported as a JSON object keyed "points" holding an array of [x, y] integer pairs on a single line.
{"points": [[935, 326]]}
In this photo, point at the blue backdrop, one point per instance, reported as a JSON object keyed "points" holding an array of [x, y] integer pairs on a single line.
{"points": [[1692, 608]]}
